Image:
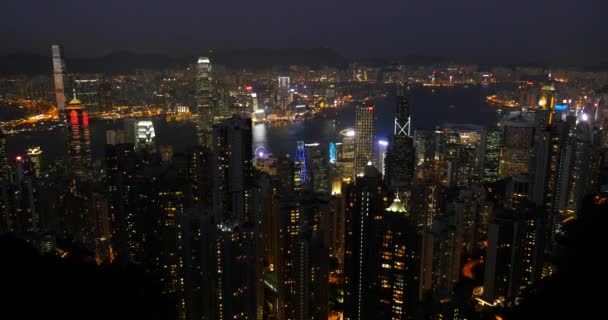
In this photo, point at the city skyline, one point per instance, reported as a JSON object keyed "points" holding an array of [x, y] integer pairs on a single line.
{"points": [[304, 184]]}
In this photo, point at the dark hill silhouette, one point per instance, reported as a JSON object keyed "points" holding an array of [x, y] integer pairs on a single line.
{"points": [[48, 287], [127, 62]]}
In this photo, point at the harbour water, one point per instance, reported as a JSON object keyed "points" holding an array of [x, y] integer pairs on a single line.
{"points": [[430, 107]]}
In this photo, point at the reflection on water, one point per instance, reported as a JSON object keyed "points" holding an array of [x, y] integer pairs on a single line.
{"points": [[453, 104]]}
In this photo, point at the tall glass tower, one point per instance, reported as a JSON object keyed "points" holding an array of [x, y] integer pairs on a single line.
{"points": [[204, 101], [58, 71]]}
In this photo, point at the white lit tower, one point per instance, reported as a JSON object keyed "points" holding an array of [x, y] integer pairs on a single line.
{"points": [[400, 155], [58, 71], [283, 93], [204, 101]]}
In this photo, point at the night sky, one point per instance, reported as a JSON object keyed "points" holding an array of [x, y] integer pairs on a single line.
{"points": [[553, 31]]}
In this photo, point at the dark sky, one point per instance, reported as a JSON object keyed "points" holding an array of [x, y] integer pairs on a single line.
{"points": [[554, 31]]}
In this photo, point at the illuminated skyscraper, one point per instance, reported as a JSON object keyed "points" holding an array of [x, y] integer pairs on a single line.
{"points": [[58, 73], [345, 152], [517, 143], [283, 93], [204, 101], [145, 134], [317, 161], [381, 146], [364, 137], [490, 141], [301, 176], [79, 140], [400, 156], [35, 156], [87, 88]]}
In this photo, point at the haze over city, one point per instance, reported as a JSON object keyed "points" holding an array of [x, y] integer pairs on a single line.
{"points": [[517, 31]]}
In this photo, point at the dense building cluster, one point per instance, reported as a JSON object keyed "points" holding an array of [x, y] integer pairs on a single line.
{"points": [[448, 223]]}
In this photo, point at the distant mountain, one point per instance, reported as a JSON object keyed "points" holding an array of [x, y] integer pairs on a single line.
{"points": [[264, 58], [126, 62]]}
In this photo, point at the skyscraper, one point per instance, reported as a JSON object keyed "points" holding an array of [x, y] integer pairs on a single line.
{"points": [[490, 151], [400, 155], [58, 73], [517, 143], [88, 88], [317, 167], [283, 93], [345, 151], [79, 140], [204, 101], [364, 137], [35, 156], [145, 134], [382, 146]]}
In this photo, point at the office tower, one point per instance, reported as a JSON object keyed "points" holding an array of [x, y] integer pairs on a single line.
{"points": [[317, 165], [490, 151], [547, 96], [381, 147], [58, 74], [35, 156], [301, 176], [345, 150], [283, 86], [286, 173], [363, 204], [204, 101], [114, 137], [364, 137], [79, 140], [87, 88], [130, 130], [516, 148], [232, 161], [145, 134], [400, 155]]}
